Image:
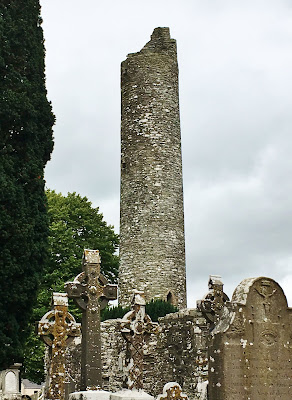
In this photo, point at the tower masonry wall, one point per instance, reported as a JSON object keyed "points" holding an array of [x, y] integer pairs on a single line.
{"points": [[152, 242]]}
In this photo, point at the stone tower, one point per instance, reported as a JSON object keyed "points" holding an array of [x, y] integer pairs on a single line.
{"points": [[152, 243]]}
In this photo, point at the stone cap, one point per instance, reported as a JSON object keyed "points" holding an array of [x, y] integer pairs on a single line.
{"points": [[242, 290], [138, 298], [91, 256], [15, 366], [160, 42], [60, 299], [161, 34], [214, 280]]}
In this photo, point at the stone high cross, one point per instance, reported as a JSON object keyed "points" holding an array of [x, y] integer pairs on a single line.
{"points": [[91, 292], [57, 328], [136, 327], [212, 304]]}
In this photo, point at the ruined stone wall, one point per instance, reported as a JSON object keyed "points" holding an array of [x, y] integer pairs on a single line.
{"points": [[152, 243], [178, 353], [114, 352], [181, 352]]}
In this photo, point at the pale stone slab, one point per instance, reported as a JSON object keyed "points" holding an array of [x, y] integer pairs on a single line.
{"points": [[11, 382], [90, 395], [202, 390], [131, 395]]}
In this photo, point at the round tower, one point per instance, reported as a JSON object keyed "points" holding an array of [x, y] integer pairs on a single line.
{"points": [[152, 243]]}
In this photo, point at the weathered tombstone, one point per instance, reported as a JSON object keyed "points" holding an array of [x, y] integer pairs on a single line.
{"points": [[250, 353], [57, 328], [10, 383], [91, 292], [172, 391], [136, 327]]}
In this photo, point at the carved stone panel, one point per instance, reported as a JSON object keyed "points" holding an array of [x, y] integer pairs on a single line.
{"points": [[250, 354], [11, 382]]}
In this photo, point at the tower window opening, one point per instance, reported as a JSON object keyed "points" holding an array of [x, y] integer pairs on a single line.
{"points": [[169, 298]]}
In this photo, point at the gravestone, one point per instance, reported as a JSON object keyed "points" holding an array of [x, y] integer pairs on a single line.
{"points": [[250, 352], [57, 328], [10, 383], [136, 327], [91, 292]]}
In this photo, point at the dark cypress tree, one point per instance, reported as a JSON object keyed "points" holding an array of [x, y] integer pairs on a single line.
{"points": [[26, 143]]}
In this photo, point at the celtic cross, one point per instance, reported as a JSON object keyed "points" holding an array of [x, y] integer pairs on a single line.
{"points": [[57, 328], [91, 292], [136, 327]]}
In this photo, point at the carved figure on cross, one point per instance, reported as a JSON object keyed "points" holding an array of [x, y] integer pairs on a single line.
{"points": [[266, 293], [136, 327], [57, 328], [91, 292]]}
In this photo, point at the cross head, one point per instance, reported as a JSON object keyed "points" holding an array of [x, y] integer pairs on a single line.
{"points": [[57, 328]]}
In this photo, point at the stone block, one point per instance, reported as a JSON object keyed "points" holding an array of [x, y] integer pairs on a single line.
{"points": [[10, 383], [90, 395]]}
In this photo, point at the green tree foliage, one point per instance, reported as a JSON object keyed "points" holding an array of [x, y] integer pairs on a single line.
{"points": [[155, 309], [26, 143], [159, 308], [113, 312], [74, 226]]}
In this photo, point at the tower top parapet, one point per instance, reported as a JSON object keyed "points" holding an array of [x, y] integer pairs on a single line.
{"points": [[160, 42]]}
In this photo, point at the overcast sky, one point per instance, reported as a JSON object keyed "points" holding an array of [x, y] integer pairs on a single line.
{"points": [[235, 62]]}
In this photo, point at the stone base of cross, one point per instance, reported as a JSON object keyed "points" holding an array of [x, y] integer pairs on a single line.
{"points": [[57, 328], [136, 326]]}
